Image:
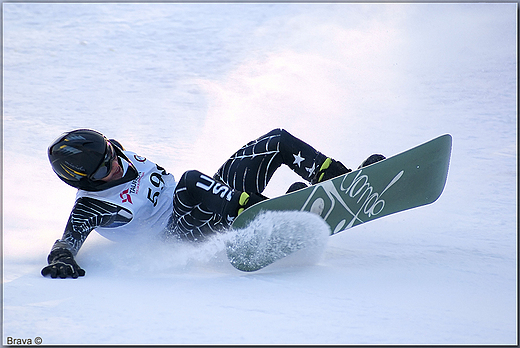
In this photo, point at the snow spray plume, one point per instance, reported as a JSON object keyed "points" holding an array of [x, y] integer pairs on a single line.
{"points": [[272, 232], [273, 235]]}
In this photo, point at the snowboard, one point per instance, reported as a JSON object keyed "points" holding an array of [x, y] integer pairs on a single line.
{"points": [[407, 180]]}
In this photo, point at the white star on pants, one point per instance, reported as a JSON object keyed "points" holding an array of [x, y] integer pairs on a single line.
{"points": [[311, 169], [298, 159]]}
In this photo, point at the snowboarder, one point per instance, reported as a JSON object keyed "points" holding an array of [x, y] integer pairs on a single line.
{"points": [[122, 194]]}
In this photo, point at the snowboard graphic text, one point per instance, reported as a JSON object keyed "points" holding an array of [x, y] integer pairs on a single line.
{"points": [[371, 202]]}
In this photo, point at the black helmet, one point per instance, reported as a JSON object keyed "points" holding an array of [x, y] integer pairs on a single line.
{"points": [[77, 155]]}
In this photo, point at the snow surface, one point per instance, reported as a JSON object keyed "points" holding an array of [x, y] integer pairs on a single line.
{"points": [[186, 84]]}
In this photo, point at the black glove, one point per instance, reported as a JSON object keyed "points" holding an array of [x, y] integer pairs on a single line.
{"points": [[62, 264]]}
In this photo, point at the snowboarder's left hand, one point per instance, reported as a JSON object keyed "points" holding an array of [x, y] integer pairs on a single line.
{"points": [[63, 265]]}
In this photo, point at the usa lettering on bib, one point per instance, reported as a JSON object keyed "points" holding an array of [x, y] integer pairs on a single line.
{"points": [[145, 203]]}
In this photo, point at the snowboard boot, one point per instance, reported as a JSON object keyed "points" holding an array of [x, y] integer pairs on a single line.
{"points": [[371, 160], [329, 169], [296, 186], [248, 199]]}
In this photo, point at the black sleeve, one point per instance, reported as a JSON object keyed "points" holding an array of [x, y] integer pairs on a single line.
{"points": [[87, 214]]}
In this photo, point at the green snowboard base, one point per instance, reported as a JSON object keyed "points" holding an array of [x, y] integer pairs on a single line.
{"points": [[408, 180]]}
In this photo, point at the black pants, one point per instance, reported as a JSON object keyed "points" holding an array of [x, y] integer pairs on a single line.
{"points": [[204, 205]]}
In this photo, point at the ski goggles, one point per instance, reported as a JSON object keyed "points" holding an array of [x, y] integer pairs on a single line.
{"points": [[106, 165]]}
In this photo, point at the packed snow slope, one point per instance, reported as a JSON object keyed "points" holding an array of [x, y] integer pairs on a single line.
{"points": [[187, 84]]}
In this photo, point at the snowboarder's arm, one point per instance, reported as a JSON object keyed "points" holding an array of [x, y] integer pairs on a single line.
{"points": [[87, 214]]}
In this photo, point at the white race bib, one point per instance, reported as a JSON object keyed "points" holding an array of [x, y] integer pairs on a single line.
{"points": [[147, 201]]}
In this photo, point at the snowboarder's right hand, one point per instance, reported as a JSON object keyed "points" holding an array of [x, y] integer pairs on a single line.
{"points": [[63, 265]]}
